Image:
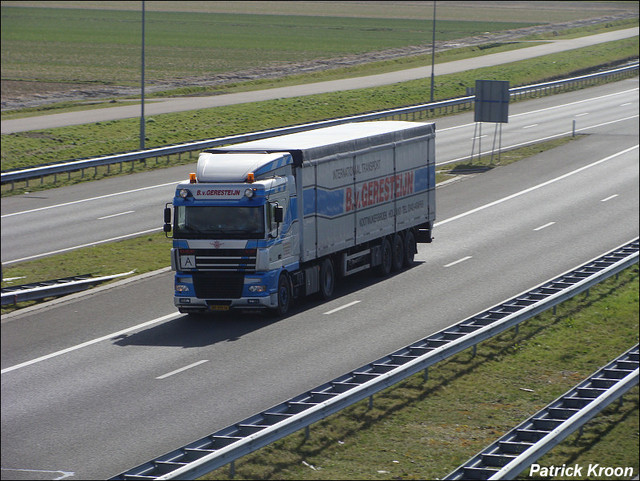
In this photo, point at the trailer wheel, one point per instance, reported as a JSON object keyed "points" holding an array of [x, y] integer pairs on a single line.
{"points": [[384, 269], [284, 296], [327, 279], [410, 248], [398, 253]]}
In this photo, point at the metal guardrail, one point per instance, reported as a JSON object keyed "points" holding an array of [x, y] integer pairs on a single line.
{"points": [[422, 109], [507, 457], [53, 288], [233, 442]]}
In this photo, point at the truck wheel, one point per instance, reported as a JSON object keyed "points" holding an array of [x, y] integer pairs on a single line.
{"points": [[398, 253], [384, 269], [410, 248], [327, 279], [284, 296]]}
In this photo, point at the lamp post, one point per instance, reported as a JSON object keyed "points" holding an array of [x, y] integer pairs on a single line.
{"points": [[433, 48], [142, 132]]}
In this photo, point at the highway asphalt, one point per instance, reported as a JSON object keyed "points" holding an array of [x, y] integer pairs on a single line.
{"points": [[100, 383]]}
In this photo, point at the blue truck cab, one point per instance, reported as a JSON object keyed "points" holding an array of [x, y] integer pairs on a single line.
{"points": [[234, 231]]}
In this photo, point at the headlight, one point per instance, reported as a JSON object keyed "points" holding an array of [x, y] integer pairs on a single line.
{"points": [[184, 193], [182, 288], [249, 193], [258, 288]]}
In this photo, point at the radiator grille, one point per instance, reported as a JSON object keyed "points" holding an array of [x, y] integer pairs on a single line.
{"points": [[229, 260], [218, 285]]}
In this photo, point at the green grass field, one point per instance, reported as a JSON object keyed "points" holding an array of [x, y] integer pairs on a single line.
{"points": [[78, 45], [541, 12], [99, 42]]}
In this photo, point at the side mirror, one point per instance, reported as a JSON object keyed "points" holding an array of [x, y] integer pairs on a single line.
{"points": [[167, 221], [278, 214]]}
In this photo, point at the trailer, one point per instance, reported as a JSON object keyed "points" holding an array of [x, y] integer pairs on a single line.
{"points": [[264, 222]]}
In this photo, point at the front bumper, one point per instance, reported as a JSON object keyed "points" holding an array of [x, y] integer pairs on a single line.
{"points": [[193, 304], [207, 292]]}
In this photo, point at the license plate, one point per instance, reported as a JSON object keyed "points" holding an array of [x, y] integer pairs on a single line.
{"points": [[219, 308]]}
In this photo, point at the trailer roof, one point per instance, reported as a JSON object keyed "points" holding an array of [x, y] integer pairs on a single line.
{"points": [[318, 143]]}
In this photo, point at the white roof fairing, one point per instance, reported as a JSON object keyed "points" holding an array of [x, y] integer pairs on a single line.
{"points": [[234, 167]]}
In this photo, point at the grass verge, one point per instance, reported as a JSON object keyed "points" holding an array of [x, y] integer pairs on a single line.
{"points": [[425, 429]]}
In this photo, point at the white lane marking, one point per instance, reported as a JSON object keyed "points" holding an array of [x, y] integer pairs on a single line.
{"points": [[157, 320], [573, 103], [625, 104], [544, 226], [561, 134], [459, 216], [582, 114], [609, 198], [342, 307], [624, 92], [116, 215], [63, 474], [90, 199], [458, 261], [530, 126], [182, 369], [479, 137], [535, 187], [82, 245]]}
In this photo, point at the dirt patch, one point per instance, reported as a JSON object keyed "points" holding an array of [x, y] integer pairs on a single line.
{"points": [[23, 94]]}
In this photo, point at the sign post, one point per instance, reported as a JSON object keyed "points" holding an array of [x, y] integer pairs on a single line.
{"points": [[491, 105]]}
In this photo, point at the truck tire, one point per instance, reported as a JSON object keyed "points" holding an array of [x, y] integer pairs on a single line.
{"points": [[398, 253], [384, 269], [410, 248], [327, 279], [284, 296]]}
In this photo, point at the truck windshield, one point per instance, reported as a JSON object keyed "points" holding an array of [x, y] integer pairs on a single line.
{"points": [[204, 222]]}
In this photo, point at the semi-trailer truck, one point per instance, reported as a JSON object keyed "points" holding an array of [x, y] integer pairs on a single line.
{"points": [[265, 222]]}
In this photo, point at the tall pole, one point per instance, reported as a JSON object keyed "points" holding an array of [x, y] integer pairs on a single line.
{"points": [[433, 48], [142, 133]]}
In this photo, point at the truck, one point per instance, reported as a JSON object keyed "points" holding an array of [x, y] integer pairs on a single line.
{"points": [[265, 222]]}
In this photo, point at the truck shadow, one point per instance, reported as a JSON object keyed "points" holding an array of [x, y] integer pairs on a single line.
{"points": [[205, 330], [198, 330]]}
